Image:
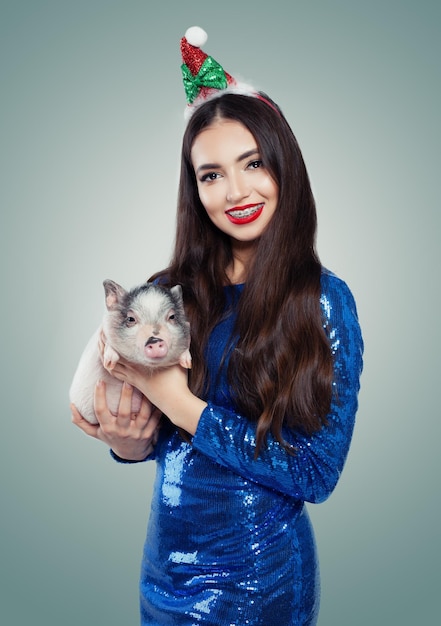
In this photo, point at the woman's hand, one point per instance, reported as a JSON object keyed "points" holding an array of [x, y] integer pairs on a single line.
{"points": [[131, 436], [167, 389]]}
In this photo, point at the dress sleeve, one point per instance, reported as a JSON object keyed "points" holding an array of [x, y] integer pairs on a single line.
{"points": [[312, 472]]}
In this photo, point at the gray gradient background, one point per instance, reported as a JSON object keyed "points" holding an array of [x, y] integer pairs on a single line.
{"points": [[91, 123]]}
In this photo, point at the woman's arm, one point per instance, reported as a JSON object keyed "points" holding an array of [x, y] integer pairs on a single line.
{"points": [[312, 472]]}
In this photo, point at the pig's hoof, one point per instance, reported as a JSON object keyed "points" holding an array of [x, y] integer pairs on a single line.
{"points": [[110, 358], [185, 360]]}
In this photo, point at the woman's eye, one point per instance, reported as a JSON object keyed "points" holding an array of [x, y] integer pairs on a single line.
{"points": [[255, 164], [209, 177]]}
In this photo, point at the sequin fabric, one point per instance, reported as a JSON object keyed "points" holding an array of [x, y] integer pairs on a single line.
{"points": [[229, 541]]}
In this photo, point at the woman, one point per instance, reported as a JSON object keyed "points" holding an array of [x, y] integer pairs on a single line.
{"points": [[263, 422]]}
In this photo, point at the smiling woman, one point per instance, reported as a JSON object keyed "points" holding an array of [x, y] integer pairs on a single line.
{"points": [[263, 422]]}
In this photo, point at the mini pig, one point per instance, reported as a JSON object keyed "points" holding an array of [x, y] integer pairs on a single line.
{"points": [[147, 326]]}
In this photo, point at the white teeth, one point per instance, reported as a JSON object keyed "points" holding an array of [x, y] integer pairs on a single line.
{"points": [[245, 212]]}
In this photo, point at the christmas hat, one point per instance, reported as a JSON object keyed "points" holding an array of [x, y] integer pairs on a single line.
{"points": [[204, 77]]}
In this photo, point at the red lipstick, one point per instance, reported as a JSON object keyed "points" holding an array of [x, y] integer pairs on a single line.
{"points": [[244, 214]]}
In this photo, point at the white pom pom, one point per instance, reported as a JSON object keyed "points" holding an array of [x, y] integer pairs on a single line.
{"points": [[196, 36]]}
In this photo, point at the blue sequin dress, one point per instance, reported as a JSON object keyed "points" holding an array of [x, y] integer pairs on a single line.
{"points": [[229, 541]]}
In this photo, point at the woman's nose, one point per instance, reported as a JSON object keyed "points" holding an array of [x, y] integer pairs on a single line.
{"points": [[237, 189]]}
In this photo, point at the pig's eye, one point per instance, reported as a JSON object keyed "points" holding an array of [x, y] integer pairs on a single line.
{"points": [[130, 320], [171, 317]]}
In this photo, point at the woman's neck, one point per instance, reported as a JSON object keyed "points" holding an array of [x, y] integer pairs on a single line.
{"points": [[243, 254]]}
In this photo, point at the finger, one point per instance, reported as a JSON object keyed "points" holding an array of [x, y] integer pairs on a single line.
{"points": [[102, 411], [145, 410], [125, 402], [84, 425]]}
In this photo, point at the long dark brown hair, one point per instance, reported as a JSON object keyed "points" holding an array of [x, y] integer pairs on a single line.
{"points": [[280, 371]]}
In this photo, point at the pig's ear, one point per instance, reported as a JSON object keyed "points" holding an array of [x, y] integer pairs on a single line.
{"points": [[177, 292], [114, 293]]}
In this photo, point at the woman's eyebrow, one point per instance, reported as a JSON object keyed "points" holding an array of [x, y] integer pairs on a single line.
{"points": [[247, 154], [241, 157], [208, 166]]}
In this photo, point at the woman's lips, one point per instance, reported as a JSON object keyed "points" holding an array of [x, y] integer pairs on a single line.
{"points": [[245, 214]]}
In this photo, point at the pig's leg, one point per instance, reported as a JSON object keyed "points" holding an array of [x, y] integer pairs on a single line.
{"points": [[185, 360], [110, 357]]}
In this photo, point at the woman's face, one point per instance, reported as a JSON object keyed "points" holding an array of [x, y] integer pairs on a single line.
{"points": [[234, 186]]}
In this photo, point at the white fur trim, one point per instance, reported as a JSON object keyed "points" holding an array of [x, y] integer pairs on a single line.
{"points": [[239, 88]]}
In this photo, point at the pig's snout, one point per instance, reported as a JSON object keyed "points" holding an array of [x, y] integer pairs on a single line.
{"points": [[155, 348]]}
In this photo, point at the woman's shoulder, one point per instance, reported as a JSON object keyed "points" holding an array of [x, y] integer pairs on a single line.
{"points": [[340, 317], [330, 282], [335, 294]]}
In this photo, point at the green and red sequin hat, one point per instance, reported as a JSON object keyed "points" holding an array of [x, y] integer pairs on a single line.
{"points": [[204, 78]]}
